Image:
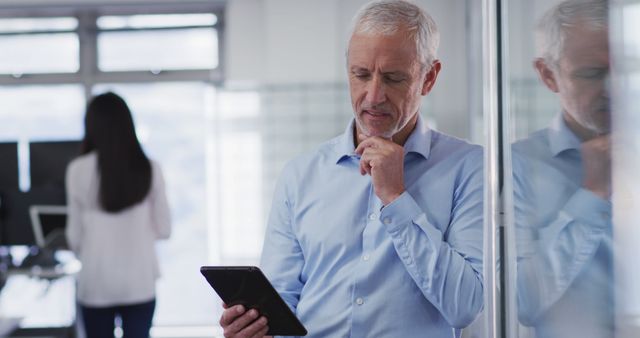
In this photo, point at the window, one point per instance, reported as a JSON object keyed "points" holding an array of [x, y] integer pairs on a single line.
{"points": [[157, 42], [39, 45], [44, 87], [42, 111]]}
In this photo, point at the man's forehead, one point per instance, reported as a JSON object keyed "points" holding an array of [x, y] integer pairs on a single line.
{"points": [[586, 46], [584, 35], [400, 37], [391, 51]]}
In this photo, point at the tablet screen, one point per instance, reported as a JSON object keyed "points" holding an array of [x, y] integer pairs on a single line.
{"points": [[248, 286]]}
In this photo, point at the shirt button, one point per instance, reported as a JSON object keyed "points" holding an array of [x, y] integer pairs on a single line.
{"points": [[373, 216], [365, 257], [359, 301], [387, 220]]}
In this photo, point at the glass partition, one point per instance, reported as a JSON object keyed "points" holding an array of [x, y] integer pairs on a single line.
{"points": [[625, 75], [558, 95]]}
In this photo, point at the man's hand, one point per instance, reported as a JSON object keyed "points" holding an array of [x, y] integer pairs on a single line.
{"points": [[239, 323], [384, 161], [596, 158]]}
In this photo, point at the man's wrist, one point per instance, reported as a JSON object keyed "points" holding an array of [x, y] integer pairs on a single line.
{"points": [[601, 192], [392, 197]]}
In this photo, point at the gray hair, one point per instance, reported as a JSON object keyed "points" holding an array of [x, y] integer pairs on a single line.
{"points": [[386, 17], [552, 28]]}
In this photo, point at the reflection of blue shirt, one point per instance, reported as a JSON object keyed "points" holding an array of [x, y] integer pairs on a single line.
{"points": [[350, 268], [564, 239]]}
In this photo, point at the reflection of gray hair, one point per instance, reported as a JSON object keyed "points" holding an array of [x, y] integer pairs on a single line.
{"points": [[552, 28], [387, 16]]}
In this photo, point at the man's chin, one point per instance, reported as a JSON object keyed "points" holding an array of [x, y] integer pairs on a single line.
{"points": [[382, 134], [601, 129], [374, 132], [604, 126]]}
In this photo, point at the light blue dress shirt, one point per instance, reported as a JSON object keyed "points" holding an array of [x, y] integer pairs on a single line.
{"points": [[563, 239], [350, 268]]}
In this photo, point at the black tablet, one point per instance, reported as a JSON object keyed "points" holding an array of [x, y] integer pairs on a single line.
{"points": [[247, 285]]}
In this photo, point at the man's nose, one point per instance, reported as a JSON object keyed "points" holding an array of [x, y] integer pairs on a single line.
{"points": [[376, 91]]}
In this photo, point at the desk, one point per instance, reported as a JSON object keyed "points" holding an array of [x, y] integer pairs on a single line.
{"points": [[39, 302]]}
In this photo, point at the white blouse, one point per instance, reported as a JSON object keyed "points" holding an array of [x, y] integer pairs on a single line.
{"points": [[117, 250]]}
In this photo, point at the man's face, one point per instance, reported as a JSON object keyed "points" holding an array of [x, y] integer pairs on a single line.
{"points": [[386, 82], [580, 80]]}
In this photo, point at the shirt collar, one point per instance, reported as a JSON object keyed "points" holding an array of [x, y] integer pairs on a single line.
{"points": [[419, 142], [561, 138]]}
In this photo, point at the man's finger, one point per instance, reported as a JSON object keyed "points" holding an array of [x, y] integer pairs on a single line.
{"points": [[254, 328], [364, 168], [230, 314], [371, 158], [261, 333], [367, 142], [365, 162], [240, 324]]}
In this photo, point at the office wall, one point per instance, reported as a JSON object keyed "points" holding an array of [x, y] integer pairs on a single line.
{"points": [[303, 41], [279, 42]]}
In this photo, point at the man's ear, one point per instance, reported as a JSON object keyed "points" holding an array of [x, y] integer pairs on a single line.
{"points": [[546, 74], [430, 77]]}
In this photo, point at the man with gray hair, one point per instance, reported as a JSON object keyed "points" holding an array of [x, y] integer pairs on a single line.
{"points": [[378, 232], [562, 183]]}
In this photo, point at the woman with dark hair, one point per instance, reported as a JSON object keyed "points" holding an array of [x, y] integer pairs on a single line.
{"points": [[117, 211]]}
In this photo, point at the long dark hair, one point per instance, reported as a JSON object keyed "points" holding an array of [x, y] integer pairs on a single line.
{"points": [[125, 171]]}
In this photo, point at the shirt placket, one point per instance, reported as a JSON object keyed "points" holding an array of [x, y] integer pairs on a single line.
{"points": [[361, 307]]}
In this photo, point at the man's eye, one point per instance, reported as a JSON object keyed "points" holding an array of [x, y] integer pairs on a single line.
{"points": [[394, 79], [361, 75], [591, 74]]}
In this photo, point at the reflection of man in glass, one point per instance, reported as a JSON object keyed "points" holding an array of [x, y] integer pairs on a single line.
{"points": [[562, 183]]}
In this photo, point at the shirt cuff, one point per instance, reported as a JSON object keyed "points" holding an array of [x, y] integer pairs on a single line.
{"points": [[404, 211], [588, 207]]}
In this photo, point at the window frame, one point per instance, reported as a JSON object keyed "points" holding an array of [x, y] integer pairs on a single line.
{"points": [[89, 74]]}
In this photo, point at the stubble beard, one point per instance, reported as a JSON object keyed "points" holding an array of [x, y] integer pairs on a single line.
{"points": [[364, 129]]}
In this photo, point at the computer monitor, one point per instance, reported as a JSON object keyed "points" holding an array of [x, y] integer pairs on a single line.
{"points": [[16, 226], [9, 166], [48, 161], [48, 223]]}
